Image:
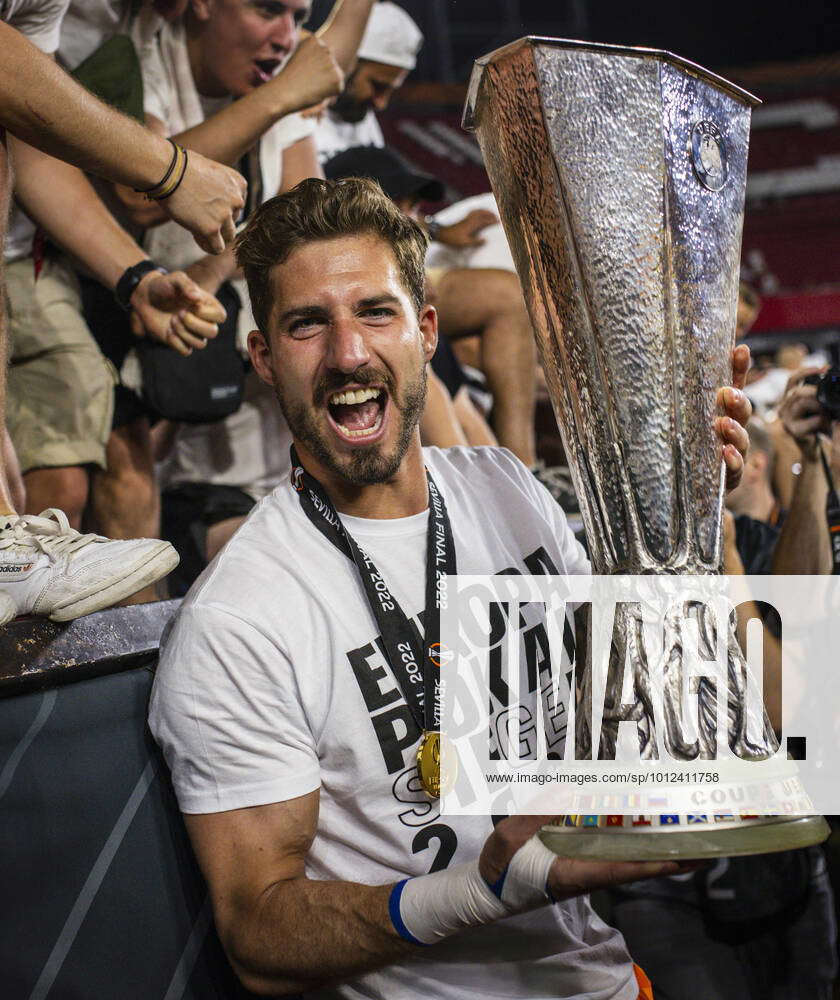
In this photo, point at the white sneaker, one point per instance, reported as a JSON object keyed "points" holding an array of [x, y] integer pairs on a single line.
{"points": [[48, 568]]}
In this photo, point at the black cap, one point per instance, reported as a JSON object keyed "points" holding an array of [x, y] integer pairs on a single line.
{"points": [[397, 178]]}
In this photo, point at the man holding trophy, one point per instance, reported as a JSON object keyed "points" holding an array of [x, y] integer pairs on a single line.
{"points": [[292, 699]]}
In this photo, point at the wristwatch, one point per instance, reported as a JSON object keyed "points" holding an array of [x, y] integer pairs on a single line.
{"points": [[131, 278]]}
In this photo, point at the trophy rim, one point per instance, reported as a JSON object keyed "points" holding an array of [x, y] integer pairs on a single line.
{"points": [[662, 55], [766, 836]]}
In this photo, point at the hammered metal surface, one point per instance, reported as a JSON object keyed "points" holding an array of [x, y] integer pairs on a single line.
{"points": [[630, 267], [628, 253]]}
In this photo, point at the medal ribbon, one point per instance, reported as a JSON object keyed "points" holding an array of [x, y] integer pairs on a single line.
{"points": [[415, 664]]}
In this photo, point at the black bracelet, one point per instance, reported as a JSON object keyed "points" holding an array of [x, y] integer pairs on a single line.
{"points": [[131, 278], [169, 170]]}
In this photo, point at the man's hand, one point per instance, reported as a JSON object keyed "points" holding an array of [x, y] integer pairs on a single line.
{"points": [[309, 77], [568, 876], [466, 232], [208, 202], [800, 413], [738, 410], [172, 309]]}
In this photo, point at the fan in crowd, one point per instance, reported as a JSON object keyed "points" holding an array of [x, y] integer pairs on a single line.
{"points": [[50, 126]]}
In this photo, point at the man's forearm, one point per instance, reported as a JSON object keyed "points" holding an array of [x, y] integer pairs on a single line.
{"points": [[47, 108], [303, 933], [214, 270], [803, 547], [229, 133], [62, 201], [344, 28]]}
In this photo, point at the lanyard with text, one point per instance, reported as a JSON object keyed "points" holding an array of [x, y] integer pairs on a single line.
{"points": [[416, 666]]}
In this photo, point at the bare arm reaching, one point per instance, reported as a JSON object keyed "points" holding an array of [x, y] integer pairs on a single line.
{"points": [[45, 107], [344, 28], [284, 932], [46, 186]]}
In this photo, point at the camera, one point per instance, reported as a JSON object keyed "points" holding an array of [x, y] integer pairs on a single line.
{"points": [[828, 391]]}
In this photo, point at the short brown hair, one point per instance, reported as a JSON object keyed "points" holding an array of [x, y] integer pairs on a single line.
{"points": [[321, 210]]}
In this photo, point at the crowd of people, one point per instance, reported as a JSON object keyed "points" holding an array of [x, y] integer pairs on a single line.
{"points": [[109, 405], [148, 348]]}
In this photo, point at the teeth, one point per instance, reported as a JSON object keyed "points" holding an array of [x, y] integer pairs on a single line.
{"points": [[353, 396], [365, 432]]}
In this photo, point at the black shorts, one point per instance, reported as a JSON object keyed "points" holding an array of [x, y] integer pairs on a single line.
{"points": [[447, 367], [187, 511]]}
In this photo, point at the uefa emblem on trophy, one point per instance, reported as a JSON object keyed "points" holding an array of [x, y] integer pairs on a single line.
{"points": [[620, 175]]}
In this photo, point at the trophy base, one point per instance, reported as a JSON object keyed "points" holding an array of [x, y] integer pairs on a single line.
{"points": [[645, 842]]}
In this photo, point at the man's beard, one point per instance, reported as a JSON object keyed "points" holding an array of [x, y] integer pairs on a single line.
{"points": [[348, 108], [363, 466]]}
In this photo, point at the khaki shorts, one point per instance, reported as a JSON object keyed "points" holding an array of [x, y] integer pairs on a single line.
{"points": [[60, 392]]}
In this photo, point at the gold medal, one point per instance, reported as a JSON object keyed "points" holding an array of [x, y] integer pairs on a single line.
{"points": [[428, 764]]}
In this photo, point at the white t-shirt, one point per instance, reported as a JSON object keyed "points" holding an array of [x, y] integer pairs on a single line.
{"points": [[271, 685], [333, 135], [89, 23], [40, 21], [493, 253]]}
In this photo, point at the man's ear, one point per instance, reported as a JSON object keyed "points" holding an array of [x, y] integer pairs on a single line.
{"points": [[428, 323], [260, 354]]}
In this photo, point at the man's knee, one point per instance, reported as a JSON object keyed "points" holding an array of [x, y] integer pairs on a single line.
{"points": [[481, 295]]}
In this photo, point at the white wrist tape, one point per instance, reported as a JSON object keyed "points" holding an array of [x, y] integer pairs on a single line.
{"points": [[428, 908]]}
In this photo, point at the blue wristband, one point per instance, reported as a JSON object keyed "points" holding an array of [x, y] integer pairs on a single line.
{"points": [[396, 916]]}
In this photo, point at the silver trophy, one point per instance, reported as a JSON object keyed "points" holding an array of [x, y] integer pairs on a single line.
{"points": [[620, 176]]}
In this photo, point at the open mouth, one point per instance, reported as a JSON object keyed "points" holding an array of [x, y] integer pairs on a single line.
{"points": [[265, 68], [357, 414]]}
